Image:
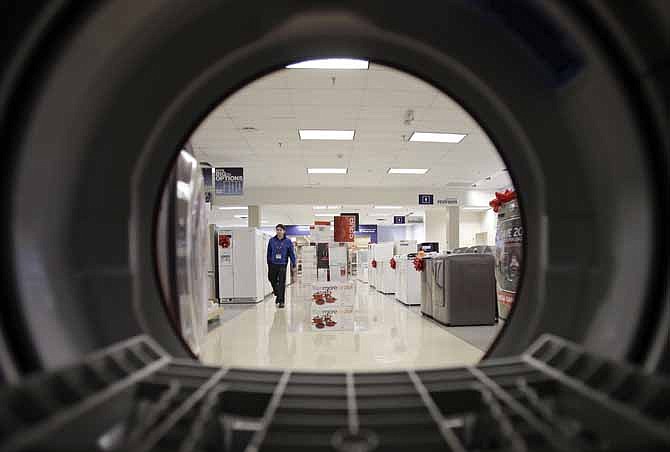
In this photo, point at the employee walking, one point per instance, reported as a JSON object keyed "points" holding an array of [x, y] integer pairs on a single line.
{"points": [[280, 249]]}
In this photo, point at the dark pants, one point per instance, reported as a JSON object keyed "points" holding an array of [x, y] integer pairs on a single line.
{"points": [[277, 277]]}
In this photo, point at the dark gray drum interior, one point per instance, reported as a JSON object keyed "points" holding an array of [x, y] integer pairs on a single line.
{"points": [[97, 99]]}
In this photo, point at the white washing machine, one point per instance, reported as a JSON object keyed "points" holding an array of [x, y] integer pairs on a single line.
{"points": [[385, 275], [403, 247], [363, 266], [408, 282], [427, 282], [372, 271], [401, 277]]}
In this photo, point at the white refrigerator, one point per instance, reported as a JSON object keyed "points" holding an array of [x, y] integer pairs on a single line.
{"points": [[408, 280], [242, 265]]}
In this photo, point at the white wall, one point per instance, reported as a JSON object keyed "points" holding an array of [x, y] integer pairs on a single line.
{"points": [[435, 221], [473, 222], [418, 233], [388, 233], [470, 224], [489, 224]]}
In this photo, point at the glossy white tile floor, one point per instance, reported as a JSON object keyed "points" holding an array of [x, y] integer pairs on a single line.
{"points": [[384, 334]]}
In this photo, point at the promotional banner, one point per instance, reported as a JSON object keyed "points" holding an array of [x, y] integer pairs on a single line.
{"points": [[322, 260], [332, 319], [370, 230], [229, 181], [345, 226], [332, 307]]}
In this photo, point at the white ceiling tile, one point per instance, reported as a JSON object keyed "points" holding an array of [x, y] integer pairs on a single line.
{"points": [[326, 97], [321, 79], [397, 98], [373, 102], [259, 97]]}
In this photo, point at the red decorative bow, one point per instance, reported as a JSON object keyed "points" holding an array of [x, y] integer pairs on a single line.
{"points": [[418, 264], [502, 198], [392, 263], [373, 263]]}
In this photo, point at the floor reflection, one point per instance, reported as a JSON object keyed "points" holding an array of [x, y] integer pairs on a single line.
{"points": [[361, 330]]}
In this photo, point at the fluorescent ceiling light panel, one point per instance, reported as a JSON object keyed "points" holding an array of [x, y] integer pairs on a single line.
{"points": [[388, 207], [324, 215], [242, 216], [408, 170], [327, 207], [337, 135], [331, 63], [327, 170], [233, 208], [437, 137]]}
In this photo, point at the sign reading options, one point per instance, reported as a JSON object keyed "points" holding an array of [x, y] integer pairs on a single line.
{"points": [[229, 181]]}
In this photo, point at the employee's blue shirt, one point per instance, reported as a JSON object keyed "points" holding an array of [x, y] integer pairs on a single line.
{"points": [[283, 248]]}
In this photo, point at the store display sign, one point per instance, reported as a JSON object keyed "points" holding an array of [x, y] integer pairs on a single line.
{"points": [[448, 201], [333, 294], [320, 233], [369, 230], [399, 219], [229, 181], [355, 215], [297, 230], [345, 226], [332, 306], [426, 199], [322, 260]]}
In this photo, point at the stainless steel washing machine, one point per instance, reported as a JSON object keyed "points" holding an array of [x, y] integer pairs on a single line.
{"points": [[427, 283], [463, 289]]}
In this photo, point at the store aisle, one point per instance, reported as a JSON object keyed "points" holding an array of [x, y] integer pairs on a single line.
{"points": [[384, 334]]}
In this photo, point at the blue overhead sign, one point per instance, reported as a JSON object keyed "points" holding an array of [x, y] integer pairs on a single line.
{"points": [[368, 229], [297, 229], [425, 199], [398, 219]]}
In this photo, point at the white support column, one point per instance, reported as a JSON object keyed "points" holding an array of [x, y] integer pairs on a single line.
{"points": [[254, 218], [453, 238], [435, 221]]}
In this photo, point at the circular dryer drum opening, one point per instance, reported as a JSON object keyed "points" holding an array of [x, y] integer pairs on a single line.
{"points": [[569, 95], [400, 214]]}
